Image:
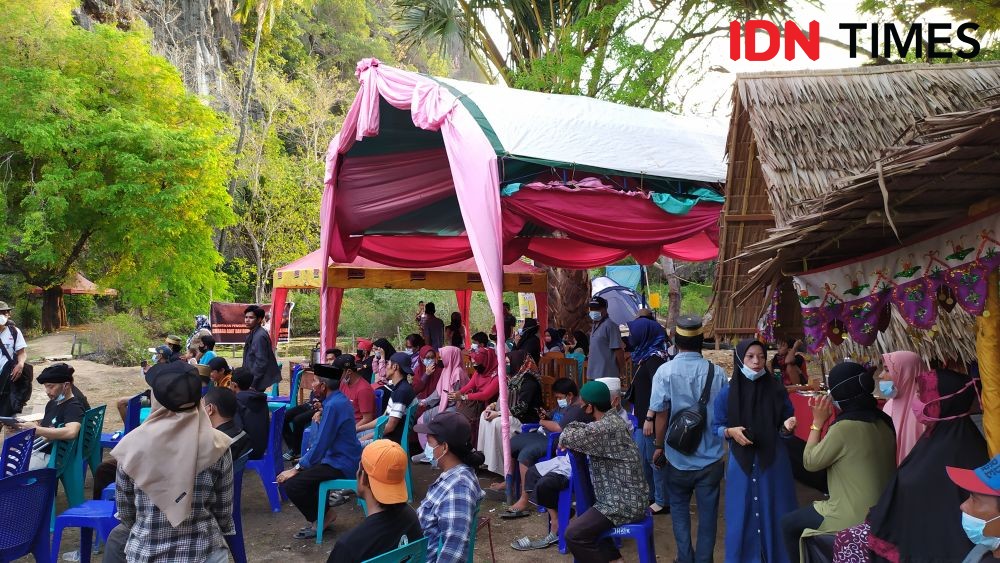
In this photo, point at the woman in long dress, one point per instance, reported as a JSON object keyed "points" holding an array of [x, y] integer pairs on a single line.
{"points": [[755, 415]]}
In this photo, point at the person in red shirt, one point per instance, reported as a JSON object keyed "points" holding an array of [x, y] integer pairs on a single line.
{"points": [[790, 364], [357, 390]]}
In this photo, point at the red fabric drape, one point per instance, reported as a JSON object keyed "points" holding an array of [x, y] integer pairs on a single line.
{"points": [[334, 300], [464, 298], [542, 305], [278, 298]]}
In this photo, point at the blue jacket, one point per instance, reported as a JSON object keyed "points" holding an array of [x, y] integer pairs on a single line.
{"points": [[336, 443]]}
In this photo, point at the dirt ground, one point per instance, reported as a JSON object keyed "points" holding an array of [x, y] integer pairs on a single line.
{"points": [[268, 535]]}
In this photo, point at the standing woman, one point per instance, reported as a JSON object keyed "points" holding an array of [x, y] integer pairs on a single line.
{"points": [[898, 383], [754, 413], [647, 343], [446, 513]]}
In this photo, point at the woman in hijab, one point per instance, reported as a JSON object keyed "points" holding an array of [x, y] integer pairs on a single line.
{"points": [[755, 415], [452, 378], [426, 372], [898, 384], [553, 341], [482, 389], [527, 339], [647, 343], [858, 452], [524, 394], [918, 516], [175, 476], [580, 348], [455, 332], [382, 350]]}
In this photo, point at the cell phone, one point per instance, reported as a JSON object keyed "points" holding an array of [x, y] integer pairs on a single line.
{"points": [[9, 421], [144, 364]]}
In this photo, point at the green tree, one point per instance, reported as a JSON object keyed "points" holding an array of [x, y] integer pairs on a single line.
{"points": [[106, 159]]}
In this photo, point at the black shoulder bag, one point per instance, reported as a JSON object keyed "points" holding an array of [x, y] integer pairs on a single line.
{"points": [[685, 428], [14, 394]]}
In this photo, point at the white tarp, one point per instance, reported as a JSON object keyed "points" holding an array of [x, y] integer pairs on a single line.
{"points": [[595, 133]]}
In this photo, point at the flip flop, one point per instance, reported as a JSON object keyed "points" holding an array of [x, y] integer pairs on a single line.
{"points": [[542, 543], [515, 514], [521, 544]]}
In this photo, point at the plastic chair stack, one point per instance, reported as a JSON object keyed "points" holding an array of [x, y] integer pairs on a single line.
{"points": [[641, 532], [413, 552], [92, 515], [272, 463], [67, 460], [25, 509], [15, 455], [90, 430], [236, 545], [275, 402], [132, 411]]}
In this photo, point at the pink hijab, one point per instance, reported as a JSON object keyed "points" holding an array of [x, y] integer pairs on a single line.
{"points": [[452, 373], [903, 368]]}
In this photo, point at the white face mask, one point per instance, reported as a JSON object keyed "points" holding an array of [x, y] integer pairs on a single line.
{"points": [[563, 403], [595, 315], [751, 374], [475, 346], [4, 319]]}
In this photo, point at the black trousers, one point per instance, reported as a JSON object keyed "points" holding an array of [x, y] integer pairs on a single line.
{"points": [[297, 419], [582, 542], [794, 523], [303, 489], [545, 489]]}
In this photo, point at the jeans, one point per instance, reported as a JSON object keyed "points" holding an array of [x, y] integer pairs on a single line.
{"points": [[656, 477], [796, 522], [704, 484]]}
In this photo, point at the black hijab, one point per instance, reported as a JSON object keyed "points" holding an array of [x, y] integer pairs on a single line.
{"points": [[387, 349], [851, 387], [582, 341], [757, 406], [919, 511], [516, 358]]}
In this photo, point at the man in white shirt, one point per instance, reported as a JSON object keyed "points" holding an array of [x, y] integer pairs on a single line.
{"points": [[12, 357]]}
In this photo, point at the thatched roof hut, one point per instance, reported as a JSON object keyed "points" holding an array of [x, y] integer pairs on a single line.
{"points": [[792, 136]]}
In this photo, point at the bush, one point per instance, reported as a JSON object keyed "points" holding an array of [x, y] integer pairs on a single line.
{"points": [[119, 340], [28, 314], [80, 309]]}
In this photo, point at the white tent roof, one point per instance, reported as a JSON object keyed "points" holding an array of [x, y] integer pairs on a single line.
{"points": [[603, 135]]}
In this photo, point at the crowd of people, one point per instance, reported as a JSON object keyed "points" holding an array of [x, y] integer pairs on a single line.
{"points": [[907, 480]]}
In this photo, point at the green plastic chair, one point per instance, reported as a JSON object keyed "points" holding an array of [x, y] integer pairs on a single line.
{"points": [[413, 552], [473, 532], [67, 460], [90, 429], [275, 402], [411, 413]]}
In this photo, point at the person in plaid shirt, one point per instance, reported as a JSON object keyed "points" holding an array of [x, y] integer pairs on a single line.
{"points": [[447, 513], [174, 489]]}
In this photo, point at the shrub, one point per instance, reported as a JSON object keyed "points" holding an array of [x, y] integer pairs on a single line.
{"points": [[119, 340], [80, 309]]}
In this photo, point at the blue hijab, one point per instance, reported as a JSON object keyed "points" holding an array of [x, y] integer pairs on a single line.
{"points": [[646, 337]]}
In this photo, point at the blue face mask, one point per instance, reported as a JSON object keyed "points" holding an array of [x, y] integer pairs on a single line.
{"points": [[429, 454], [563, 403], [595, 315], [428, 362], [408, 350], [751, 374], [61, 397], [974, 528], [887, 388]]}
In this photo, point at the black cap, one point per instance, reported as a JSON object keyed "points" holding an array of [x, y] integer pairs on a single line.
{"points": [[345, 362], [56, 373], [451, 427], [175, 385], [597, 302], [327, 371], [402, 359], [689, 326]]}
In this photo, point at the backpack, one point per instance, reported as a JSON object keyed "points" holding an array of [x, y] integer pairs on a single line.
{"points": [[686, 427]]}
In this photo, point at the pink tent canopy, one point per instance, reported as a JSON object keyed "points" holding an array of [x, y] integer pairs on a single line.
{"points": [[421, 157]]}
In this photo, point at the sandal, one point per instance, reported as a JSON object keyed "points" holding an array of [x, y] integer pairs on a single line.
{"points": [[305, 533], [525, 544], [521, 544], [515, 514]]}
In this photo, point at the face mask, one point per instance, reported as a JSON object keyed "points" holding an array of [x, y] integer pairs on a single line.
{"points": [[428, 362], [520, 332], [378, 354], [475, 346], [887, 388], [429, 454], [840, 404], [924, 415], [974, 529], [563, 403], [4, 319], [408, 350], [751, 374], [61, 397], [595, 315]]}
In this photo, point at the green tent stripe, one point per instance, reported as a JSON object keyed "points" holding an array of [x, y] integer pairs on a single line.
{"points": [[572, 166], [477, 114]]}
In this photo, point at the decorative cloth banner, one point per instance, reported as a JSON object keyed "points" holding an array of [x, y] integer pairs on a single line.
{"points": [[942, 269]]}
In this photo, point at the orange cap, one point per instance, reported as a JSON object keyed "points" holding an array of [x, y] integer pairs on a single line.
{"points": [[384, 461]]}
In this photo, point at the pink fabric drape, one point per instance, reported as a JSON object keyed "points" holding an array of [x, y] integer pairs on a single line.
{"points": [[334, 298], [464, 298], [278, 298], [903, 368]]}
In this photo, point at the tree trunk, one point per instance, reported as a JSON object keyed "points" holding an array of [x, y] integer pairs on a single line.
{"points": [[53, 309], [673, 291], [248, 87], [569, 292]]}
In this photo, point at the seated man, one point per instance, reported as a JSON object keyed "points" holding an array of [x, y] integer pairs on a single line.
{"points": [[981, 511], [252, 415], [615, 387], [298, 418], [221, 405], [358, 390], [529, 447], [334, 454], [401, 396], [390, 521], [63, 413], [206, 352], [220, 373], [620, 489]]}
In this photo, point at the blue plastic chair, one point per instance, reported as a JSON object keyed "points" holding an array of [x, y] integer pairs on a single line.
{"points": [[550, 450], [132, 412], [272, 463], [15, 455], [413, 552], [641, 532], [92, 515], [109, 492], [275, 402], [25, 508], [236, 546]]}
